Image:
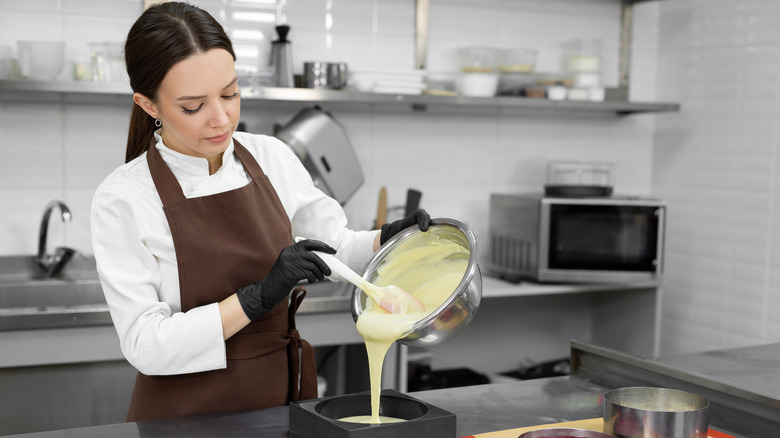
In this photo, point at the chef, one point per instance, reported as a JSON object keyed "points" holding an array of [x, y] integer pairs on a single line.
{"points": [[193, 235]]}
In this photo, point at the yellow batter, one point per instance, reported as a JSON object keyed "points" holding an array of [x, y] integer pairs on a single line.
{"points": [[429, 271]]}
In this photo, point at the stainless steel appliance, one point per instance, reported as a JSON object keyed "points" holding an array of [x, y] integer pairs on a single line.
{"points": [[577, 240], [325, 75], [281, 58], [322, 145]]}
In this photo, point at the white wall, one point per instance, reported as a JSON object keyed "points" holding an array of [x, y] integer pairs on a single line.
{"points": [[716, 163], [457, 158]]}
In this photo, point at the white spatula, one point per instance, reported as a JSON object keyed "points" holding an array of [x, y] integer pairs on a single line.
{"points": [[391, 298]]}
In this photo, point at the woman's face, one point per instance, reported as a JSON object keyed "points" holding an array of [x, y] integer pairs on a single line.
{"points": [[198, 104]]}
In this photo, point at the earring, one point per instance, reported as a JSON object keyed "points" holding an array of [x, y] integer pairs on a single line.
{"points": [[157, 122]]}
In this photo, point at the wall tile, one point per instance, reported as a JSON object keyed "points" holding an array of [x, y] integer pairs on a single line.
{"points": [[30, 162], [17, 26], [21, 221]]}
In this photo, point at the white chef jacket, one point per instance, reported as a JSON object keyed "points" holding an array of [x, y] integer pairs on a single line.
{"points": [[136, 260]]}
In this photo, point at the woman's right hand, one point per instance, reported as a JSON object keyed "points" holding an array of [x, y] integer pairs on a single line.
{"points": [[294, 264]]}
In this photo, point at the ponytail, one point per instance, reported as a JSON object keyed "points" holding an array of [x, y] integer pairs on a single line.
{"points": [[140, 135], [163, 35]]}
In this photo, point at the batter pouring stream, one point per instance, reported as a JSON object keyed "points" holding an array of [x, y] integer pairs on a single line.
{"points": [[430, 271]]}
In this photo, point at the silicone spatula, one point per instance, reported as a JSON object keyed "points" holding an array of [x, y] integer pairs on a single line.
{"points": [[391, 298]]}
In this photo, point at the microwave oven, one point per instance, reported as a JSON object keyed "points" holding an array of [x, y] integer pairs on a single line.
{"points": [[576, 240]]}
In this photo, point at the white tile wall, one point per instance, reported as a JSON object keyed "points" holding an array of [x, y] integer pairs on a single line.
{"points": [[443, 153], [716, 163], [61, 150]]}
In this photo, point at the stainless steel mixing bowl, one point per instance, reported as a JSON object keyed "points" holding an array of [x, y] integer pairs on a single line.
{"points": [[564, 433], [647, 412], [461, 306]]}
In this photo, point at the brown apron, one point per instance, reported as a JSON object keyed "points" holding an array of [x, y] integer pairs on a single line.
{"points": [[222, 242]]}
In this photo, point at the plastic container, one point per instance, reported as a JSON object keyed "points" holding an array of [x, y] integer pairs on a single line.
{"points": [[517, 60], [41, 60], [478, 71], [441, 84], [478, 59], [515, 84], [478, 84], [579, 179], [582, 56], [108, 62], [580, 173], [5, 62]]}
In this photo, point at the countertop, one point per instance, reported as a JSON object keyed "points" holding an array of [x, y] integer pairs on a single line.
{"points": [[740, 384], [75, 299]]}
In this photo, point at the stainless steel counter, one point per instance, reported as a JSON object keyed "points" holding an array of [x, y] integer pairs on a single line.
{"points": [[29, 301], [735, 409]]}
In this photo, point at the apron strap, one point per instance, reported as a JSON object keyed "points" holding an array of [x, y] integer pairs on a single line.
{"points": [[168, 186], [249, 162], [164, 180], [301, 356]]}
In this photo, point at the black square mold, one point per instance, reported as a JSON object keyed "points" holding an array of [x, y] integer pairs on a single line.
{"points": [[318, 417]]}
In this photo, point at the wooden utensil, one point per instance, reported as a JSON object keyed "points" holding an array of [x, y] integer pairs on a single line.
{"points": [[381, 212]]}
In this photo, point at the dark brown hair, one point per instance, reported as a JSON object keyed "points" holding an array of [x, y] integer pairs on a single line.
{"points": [[162, 36]]}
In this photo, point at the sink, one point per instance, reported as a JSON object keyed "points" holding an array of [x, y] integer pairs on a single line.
{"points": [[326, 296], [30, 300], [74, 297]]}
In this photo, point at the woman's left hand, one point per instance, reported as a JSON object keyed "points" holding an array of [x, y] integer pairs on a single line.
{"points": [[420, 217]]}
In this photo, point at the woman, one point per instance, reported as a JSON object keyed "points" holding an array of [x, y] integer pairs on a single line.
{"points": [[193, 235]]}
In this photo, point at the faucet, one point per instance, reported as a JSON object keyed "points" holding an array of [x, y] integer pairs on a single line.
{"points": [[53, 264]]}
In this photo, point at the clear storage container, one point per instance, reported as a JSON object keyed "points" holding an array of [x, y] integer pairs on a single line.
{"points": [[478, 71]]}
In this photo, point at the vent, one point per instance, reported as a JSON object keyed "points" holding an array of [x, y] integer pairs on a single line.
{"points": [[511, 254]]}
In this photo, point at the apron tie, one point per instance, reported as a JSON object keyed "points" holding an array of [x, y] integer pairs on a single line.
{"points": [[303, 369]]}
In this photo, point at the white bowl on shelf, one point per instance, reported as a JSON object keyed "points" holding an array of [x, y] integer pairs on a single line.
{"points": [[41, 60]]}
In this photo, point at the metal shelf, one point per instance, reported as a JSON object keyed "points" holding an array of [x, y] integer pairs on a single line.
{"points": [[74, 91]]}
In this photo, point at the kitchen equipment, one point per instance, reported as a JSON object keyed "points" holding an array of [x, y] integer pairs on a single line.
{"points": [[441, 84], [478, 71], [517, 84], [381, 212], [582, 56], [281, 58], [388, 81], [400, 211], [577, 240], [319, 417], [459, 309], [413, 198], [322, 145], [517, 60], [108, 62], [5, 61], [582, 59], [325, 75], [564, 433], [391, 298], [41, 60], [579, 179], [637, 412]]}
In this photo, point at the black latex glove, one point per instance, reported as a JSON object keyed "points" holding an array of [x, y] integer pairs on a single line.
{"points": [[295, 263], [420, 217]]}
